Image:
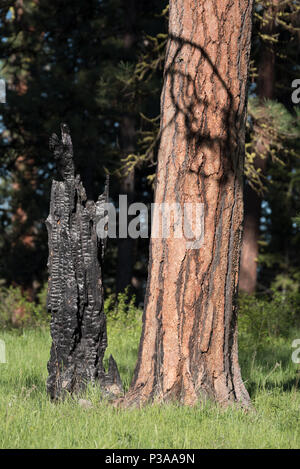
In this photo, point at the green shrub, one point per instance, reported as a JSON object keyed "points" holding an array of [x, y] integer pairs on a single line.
{"points": [[40, 312], [122, 310], [16, 309], [261, 318], [266, 317]]}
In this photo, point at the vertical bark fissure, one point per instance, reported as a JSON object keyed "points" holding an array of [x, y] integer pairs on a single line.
{"points": [[229, 324]]}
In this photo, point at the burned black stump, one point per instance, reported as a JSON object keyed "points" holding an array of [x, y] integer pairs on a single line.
{"points": [[75, 293]]}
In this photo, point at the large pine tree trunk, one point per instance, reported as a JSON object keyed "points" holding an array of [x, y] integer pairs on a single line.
{"points": [[75, 294], [188, 348]]}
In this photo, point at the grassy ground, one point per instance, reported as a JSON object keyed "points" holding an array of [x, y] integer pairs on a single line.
{"points": [[29, 420]]}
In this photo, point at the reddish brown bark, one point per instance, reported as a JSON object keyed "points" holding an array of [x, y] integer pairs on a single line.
{"points": [[249, 255], [188, 347], [265, 90]]}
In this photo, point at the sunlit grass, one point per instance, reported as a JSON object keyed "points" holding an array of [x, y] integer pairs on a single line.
{"points": [[29, 420]]}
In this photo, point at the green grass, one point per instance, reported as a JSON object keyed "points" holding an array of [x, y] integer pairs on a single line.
{"points": [[29, 420]]}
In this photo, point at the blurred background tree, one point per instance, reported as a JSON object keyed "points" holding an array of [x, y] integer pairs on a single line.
{"points": [[71, 61], [272, 148]]}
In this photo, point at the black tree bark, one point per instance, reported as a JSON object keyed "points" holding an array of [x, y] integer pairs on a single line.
{"points": [[75, 293]]}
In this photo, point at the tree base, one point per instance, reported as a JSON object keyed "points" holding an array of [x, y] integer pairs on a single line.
{"points": [[141, 396]]}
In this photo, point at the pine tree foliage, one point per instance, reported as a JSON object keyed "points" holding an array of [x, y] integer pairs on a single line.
{"points": [[66, 61]]}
